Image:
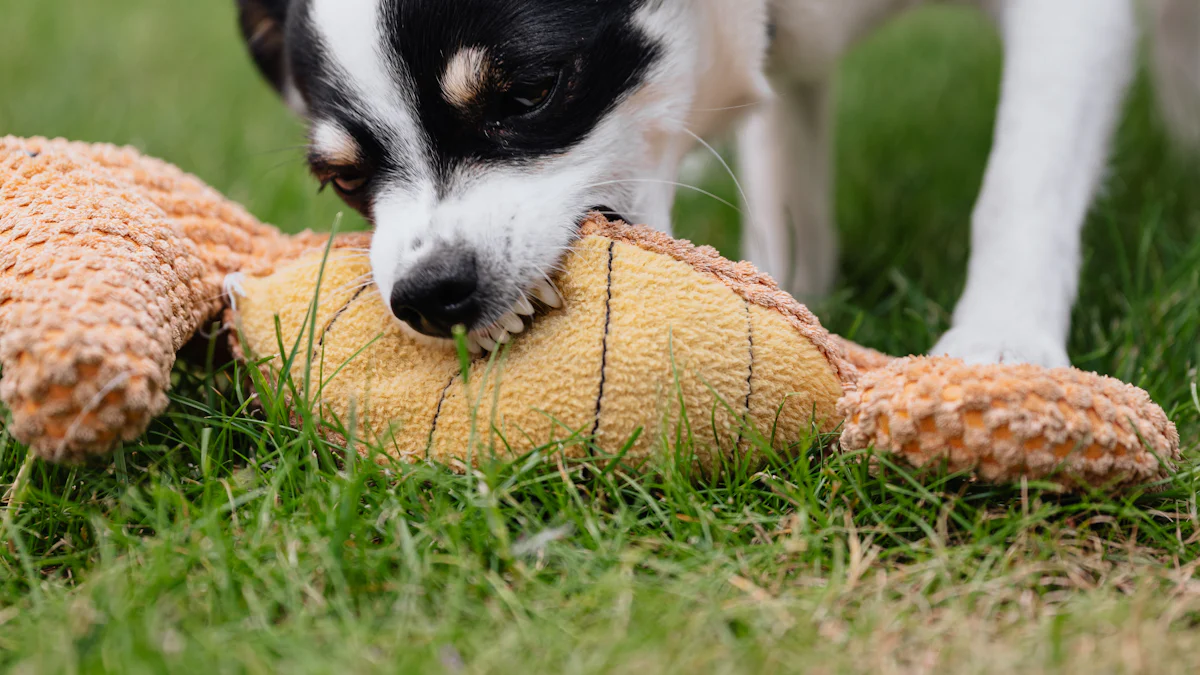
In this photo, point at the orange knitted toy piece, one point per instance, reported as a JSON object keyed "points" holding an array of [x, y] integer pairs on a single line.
{"points": [[109, 262], [1007, 422]]}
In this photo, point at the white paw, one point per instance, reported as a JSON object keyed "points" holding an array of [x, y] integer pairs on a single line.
{"points": [[986, 345]]}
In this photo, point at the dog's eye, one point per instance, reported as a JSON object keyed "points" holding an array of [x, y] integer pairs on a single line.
{"points": [[348, 181], [525, 97], [349, 185]]}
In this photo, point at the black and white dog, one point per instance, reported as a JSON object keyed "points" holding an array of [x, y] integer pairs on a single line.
{"points": [[475, 135]]}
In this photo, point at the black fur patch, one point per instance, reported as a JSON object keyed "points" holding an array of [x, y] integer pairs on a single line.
{"points": [[600, 54], [263, 24]]}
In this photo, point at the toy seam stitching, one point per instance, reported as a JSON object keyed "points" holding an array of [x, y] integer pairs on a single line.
{"points": [[438, 413], [612, 244]]}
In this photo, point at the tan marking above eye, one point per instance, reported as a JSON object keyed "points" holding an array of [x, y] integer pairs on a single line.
{"points": [[466, 74], [334, 144]]}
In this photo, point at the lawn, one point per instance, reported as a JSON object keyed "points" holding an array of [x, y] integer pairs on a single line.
{"points": [[230, 542]]}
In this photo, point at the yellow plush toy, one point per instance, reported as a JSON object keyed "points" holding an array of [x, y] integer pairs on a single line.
{"points": [[110, 261], [652, 330]]}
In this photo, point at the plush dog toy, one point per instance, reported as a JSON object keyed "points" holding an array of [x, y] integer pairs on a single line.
{"points": [[655, 335], [110, 261]]}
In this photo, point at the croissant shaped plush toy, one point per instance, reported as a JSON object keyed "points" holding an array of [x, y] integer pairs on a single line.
{"points": [[110, 261]]}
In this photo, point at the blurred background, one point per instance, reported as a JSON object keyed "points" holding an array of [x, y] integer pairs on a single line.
{"points": [[915, 107]]}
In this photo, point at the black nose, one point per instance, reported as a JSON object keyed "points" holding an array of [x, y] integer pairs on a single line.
{"points": [[441, 292]]}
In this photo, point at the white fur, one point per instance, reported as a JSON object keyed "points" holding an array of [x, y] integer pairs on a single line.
{"points": [[333, 143], [521, 219], [526, 216], [351, 32], [1067, 66]]}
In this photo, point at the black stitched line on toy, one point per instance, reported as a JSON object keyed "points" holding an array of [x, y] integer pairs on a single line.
{"points": [[604, 343], [337, 315], [749, 374], [438, 413]]}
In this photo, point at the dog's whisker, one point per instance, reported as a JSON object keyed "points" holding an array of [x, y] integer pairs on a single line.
{"points": [[285, 164], [350, 288], [728, 169], [354, 284], [276, 151], [749, 215], [318, 263], [523, 306], [753, 104], [677, 184], [635, 215]]}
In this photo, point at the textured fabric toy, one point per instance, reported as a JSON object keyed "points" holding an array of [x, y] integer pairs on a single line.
{"points": [[110, 261], [1010, 422], [651, 327]]}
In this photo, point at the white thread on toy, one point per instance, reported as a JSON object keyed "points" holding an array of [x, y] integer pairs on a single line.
{"points": [[232, 287]]}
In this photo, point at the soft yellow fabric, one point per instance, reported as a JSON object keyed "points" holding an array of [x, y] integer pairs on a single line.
{"points": [[548, 380], [794, 391], [643, 337], [677, 342]]}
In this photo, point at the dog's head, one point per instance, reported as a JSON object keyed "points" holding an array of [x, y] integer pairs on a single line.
{"points": [[476, 134]]}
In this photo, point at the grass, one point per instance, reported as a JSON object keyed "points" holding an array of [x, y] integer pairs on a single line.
{"points": [[228, 542]]}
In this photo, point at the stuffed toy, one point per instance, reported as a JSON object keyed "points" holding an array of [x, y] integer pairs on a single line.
{"points": [[110, 261], [654, 335]]}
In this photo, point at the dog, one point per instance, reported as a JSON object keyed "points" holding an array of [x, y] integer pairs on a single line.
{"points": [[475, 135]]}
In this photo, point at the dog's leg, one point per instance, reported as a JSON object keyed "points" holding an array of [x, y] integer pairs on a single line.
{"points": [[784, 157], [1067, 66]]}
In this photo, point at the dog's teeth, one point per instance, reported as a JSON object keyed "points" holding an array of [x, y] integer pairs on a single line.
{"points": [[512, 323], [524, 307], [498, 333], [473, 345], [544, 291], [486, 343]]}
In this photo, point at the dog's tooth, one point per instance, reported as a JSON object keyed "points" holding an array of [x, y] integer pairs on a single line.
{"points": [[473, 345], [545, 291], [524, 307], [499, 333], [512, 323], [486, 343]]}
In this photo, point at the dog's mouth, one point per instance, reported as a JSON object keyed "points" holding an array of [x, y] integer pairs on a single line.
{"points": [[533, 301], [609, 213], [540, 297], [537, 299]]}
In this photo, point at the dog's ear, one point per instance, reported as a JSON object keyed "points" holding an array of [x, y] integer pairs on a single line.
{"points": [[263, 27]]}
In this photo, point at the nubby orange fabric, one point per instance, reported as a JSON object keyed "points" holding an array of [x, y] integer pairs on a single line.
{"points": [[1010, 422], [109, 262]]}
